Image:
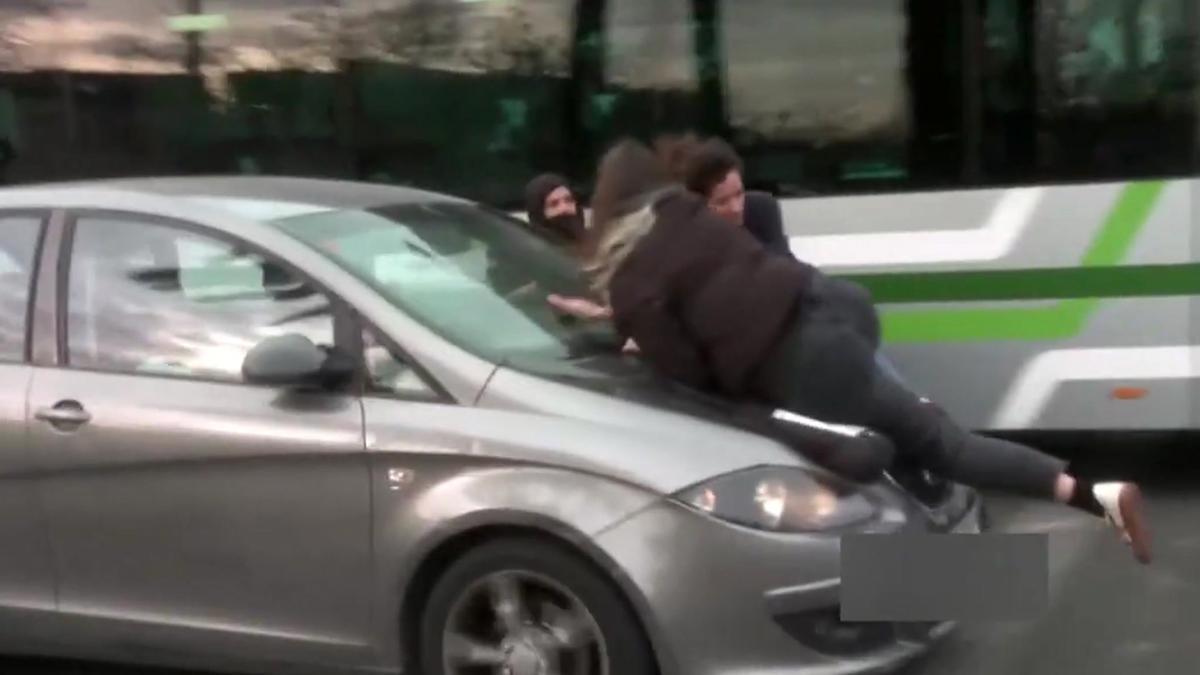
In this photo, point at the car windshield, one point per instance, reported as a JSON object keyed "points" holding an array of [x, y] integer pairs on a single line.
{"points": [[476, 277]]}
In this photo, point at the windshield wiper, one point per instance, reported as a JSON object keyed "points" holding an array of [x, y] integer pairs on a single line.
{"points": [[304, 314], [585, 343]]}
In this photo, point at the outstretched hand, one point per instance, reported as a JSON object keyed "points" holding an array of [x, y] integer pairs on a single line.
{"points": [[580, 307]]}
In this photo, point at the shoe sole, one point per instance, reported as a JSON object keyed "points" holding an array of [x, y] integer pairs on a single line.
{"points": [[1131, 504]]}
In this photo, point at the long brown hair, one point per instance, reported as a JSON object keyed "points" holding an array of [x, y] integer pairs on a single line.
{"points": [[675, 151], [628, 173]]}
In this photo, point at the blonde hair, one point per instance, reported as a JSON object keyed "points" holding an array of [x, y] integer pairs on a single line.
{"points": [[628, 175], [620, 237]]}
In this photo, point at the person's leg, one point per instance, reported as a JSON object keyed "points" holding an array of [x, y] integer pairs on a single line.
{"points": [[919, 427], [827, 370], [824, 368]]}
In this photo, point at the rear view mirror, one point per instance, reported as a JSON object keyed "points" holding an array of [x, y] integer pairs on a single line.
{"points": [[294, 361]]}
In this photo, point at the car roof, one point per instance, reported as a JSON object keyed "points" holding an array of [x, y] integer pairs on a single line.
{"points": [[255, 197]]}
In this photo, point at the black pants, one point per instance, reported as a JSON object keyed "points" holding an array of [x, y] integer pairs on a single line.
{"points": [[825, 367]]}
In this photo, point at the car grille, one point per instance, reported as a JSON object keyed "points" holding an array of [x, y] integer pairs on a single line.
{"points": [[823, 631]]}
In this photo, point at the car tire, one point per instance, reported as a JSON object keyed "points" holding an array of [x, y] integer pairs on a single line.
{"points": [[618, 631]]}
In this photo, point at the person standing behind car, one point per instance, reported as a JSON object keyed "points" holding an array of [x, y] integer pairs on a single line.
{"points": [[552, 211], [551, 207]]}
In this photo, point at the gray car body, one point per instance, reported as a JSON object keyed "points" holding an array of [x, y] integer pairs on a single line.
{"points": [[239, 527]]}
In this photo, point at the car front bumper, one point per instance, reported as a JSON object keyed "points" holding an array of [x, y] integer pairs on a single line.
{"points": [[726, 600]]}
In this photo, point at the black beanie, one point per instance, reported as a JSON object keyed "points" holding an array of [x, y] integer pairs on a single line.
{"points": [[535, 196]]}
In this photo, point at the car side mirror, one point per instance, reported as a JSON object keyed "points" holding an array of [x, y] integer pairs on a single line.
{"points": [[294, 361]]}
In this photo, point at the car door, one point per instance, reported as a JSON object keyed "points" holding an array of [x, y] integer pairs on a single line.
{"points": [[189, 511], [26, 569]]}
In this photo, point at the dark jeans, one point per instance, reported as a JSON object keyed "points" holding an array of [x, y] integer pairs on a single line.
{"points": [[825, 368]]}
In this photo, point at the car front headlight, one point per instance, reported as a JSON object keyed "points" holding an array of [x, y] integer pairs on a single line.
{"points": [[781, 499]]}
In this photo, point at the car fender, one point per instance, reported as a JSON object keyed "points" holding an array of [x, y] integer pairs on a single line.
{"points": [[456, 507]]}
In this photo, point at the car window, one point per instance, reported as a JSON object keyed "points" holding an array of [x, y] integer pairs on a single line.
{"points": [[389, 373], [18, 243], [146, 297]]}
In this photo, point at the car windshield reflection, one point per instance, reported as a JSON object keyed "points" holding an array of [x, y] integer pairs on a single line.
{"points": [[475, 277]]}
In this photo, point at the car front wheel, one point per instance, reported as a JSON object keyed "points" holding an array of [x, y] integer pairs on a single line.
{"points": [[525, 606]]}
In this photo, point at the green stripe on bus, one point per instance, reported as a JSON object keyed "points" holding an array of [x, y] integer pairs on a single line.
{"points": [[1124, 222], [1059, 322], [1062, 320], [1034, 284]]}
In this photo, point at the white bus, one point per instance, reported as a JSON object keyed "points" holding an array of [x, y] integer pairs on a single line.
{"points": [[1016, 181]]}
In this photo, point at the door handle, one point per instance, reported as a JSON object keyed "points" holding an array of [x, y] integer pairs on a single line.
{"points": [[65, 414]]}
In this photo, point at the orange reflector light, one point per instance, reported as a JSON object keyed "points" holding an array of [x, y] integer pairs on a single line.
{"points": [[1129, 393]]}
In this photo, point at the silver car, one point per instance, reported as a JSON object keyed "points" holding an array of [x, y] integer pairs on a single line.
{"points": [[258, 424]]}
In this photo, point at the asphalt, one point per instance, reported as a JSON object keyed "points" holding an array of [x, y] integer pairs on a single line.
{"points": [[1107, 614]]}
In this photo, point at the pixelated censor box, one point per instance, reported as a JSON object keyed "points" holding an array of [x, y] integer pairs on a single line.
{"points": [[944, 577]]}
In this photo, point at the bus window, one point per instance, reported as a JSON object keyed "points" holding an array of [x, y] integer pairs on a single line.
{"points": [[77, 77], [1008, 92], [1117, 88], [269, 74], [461, 97], [650, 45], [817, 95], [651, 79], [474, 98]]}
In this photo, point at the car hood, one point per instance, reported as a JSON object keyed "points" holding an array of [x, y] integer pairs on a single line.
{"points": [[618, 420]]}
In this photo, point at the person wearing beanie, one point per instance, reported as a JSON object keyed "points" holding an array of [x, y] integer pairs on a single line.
{"points": [[551, 207], [552, 210], [711, 308]]}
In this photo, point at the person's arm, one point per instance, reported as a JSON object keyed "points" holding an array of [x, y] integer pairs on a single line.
{"points": [[660, 339], [580, 308]]}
